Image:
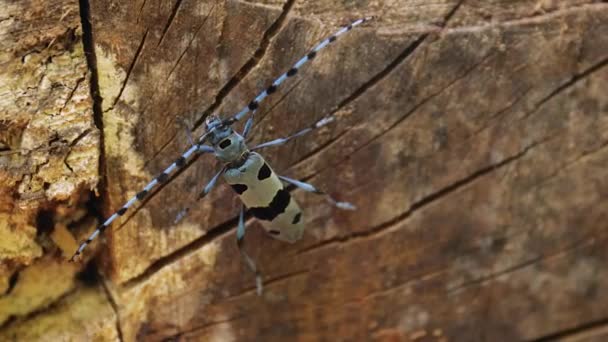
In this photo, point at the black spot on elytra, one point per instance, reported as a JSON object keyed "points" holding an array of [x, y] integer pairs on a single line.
{"points": [[141, 195], [225, 143], [271, 89], [239, 188], [253, 105], [311, 54], [264, 172], [121, 211], [332, 39], [276, 207], [296, 218]]}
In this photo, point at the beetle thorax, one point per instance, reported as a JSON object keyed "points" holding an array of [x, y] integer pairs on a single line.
{"points": [[229, 146]]}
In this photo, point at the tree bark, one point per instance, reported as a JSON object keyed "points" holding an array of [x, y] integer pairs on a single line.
{"points": [[471, 135]]}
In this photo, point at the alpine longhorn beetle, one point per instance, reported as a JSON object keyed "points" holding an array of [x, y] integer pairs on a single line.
{"points": [[260, 189]]}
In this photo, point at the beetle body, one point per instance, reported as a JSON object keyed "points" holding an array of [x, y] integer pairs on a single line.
{"points": [[256, 184], [261, 190]]}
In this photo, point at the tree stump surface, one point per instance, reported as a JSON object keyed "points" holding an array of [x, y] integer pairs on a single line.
{"points": [[471, 135]]}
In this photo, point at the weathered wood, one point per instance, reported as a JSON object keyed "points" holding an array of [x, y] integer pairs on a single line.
{"points": [[49, 165], [470, 134]]}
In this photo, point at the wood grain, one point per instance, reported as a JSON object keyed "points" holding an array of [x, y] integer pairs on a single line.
{"points": [[470, 134]]}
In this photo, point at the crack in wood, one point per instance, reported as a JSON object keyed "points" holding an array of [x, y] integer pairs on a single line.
{"points": [[179, 59], [533, 19], [492, 276], [212, 234], [217, 232], [176, 7], [589, 239], [251, 64], [401, 58], [141, 9], [130, 70], [14, 320], [267, 283], [235, 80], [7, 18], [578, 159], [12, 282], [418, 278], [221, 229], [391, 127], [424, 202], [176, 337], [581, 330], [228, 225], [261, 118], [320, 149], [156, 191], [194, 36], [71, 94], [159, 151], [428, 274], [114, 306], [451, 13], [494, 116], [88, 42], [571, 82], [360, 91]]}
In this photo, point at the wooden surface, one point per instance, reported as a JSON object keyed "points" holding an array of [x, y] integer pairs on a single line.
{"points": [[470, 134]]}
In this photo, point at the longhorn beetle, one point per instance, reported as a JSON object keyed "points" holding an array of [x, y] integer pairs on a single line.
{"points": [[260, 189]]}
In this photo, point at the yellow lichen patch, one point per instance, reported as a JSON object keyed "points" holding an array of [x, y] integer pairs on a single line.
{"points": [[119, 138], [6, 272], [417, 335], [38, 286], [62, 237], [119, 123], [222, 332], [17, 238], [85, 315], [52, 141], [74, 214], [111, 77], [152, 243], [165, 297], [437, 332]]}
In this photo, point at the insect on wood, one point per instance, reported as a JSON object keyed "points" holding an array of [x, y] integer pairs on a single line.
{"points": [[260, 189]]}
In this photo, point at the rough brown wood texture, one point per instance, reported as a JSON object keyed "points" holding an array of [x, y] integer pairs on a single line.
{"points": [[49, 167], [471, 135]]}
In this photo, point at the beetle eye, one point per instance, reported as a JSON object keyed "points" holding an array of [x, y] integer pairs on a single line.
{"points": [[225, 143]]}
